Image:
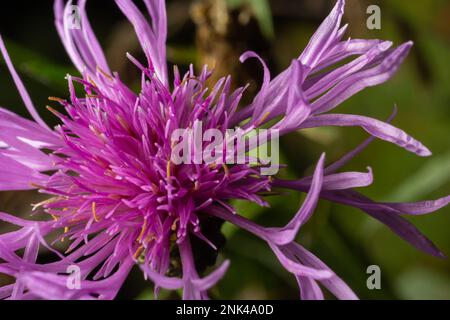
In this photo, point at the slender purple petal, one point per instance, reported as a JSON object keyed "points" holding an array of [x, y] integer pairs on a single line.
{"points": [[375, 127]]}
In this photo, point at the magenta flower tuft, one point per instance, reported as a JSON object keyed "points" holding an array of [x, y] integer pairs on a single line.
{"points": [[117, 198]]}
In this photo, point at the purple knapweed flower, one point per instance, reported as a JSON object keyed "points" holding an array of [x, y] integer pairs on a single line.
{"points": [[117, 199]]}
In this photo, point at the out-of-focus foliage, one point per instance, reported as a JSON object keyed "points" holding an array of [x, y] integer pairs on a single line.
{"points": [[346, 239]]}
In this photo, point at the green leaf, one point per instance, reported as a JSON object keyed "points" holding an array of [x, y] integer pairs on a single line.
{"points": [[38, 67], [262, 12]]}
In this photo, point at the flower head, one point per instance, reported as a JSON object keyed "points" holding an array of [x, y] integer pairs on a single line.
{"points": [[118, 199]]}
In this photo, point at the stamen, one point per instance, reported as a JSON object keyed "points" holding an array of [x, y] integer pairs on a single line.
{"points": [[92, 82], [66, 229], [196, 185], [213, 166], [174, 225], [76, 219], [149, 238], [40, 204], [37, 186], [123, 123], [99, 134], [56, 113], [115, 196], [155, 188], [168, 169], [226, 170]]}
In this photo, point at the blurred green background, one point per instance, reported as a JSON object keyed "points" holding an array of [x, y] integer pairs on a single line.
{"points": [[217, 32]]}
